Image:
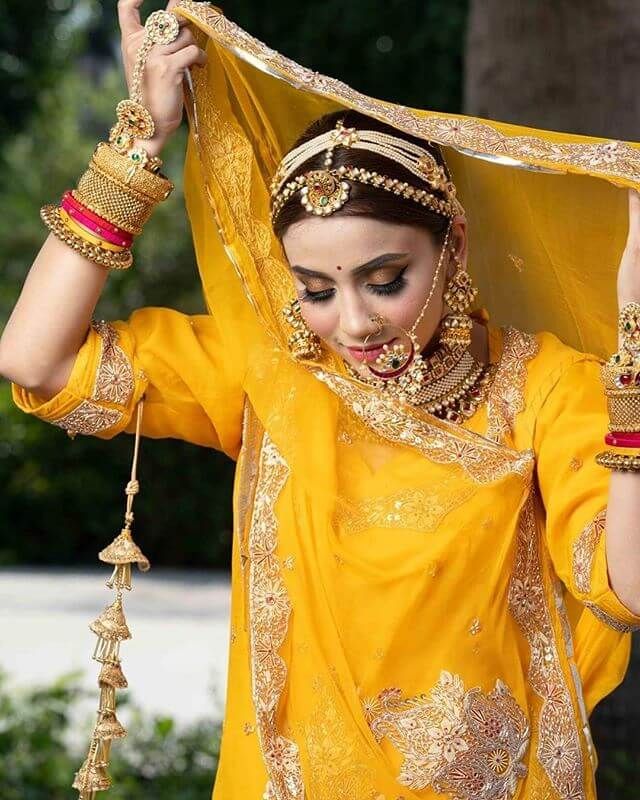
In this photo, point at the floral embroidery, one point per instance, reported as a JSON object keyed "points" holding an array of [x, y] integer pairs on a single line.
{"points": [[612, 622], [246, 477], [113, 384], [88, 418], [462, 743], [338, 762], [114, 378], [506, 395], [482, 460], [584, 549], [412, 509], [269, 611], [558, 749], [609, 159]]}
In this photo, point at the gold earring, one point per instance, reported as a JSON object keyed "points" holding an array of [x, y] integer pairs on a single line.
{"points": [[303, 343], [459, 296]]}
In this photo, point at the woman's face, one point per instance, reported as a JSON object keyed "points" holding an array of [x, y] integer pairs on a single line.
{"points": [[349, 269]]}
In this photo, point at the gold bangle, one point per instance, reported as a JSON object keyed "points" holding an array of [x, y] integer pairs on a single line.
{"points": [[51, 217], [85, 234], [110, 200], [618, 461], [148, 184], [623, 406]]}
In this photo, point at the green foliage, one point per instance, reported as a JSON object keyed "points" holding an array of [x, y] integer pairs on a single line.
{"points": [[62, 500], [156, 761]]}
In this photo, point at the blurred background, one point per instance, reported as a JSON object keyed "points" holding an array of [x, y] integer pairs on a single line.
{"points": [[560, 64]]}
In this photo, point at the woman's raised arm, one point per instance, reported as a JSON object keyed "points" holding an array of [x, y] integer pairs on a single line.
{"points": [[51, 317]]}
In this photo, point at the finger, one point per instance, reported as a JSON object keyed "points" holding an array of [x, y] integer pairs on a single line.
{"points": [[634, 215], [182, 21], [188, 57], [129, 16], [184, 39]]}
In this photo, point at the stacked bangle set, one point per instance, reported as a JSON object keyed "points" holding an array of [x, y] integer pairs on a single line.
{"points": [[621, 379], [122, 185]]}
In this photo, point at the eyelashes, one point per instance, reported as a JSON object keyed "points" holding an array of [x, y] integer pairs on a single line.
{"points": [[380, 289]]}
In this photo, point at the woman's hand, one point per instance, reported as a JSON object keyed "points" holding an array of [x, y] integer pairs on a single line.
{"points": [[629, 269], [163, 73]]}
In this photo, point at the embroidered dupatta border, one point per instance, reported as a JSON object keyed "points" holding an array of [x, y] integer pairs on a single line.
{"points": [[609, 159], [483, 459], [559, 751], [269, 612]]}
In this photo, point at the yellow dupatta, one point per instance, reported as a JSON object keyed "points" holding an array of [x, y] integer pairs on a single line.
{"points": [[408, 613]]}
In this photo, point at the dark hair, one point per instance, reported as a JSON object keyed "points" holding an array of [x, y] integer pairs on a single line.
{"points": [[365, 200]]}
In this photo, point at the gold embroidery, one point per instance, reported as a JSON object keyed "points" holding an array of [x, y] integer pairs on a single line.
{"points": [[517, 262], [575, 464], [113, 383], [584, 549], [609, 159], [558, 750], [269, 610], [506, 394], [560, 590], [412, 509], [114, 378], [246, 476], [88, 418], [482, 460], [338, 768], [612, 622], [475, 627], [463, 743]]}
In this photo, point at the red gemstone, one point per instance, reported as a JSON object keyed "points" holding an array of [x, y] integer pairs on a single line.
{"points": [[624, 379]]}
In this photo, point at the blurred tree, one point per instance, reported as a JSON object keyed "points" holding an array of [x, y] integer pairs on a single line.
{"points": [[64, 499], [555, 64]]}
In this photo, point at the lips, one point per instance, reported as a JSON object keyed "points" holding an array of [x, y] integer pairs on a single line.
{"points": [[368, 353]]}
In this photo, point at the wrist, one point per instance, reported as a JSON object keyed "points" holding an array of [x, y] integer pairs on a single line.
{"points": [[153, 146]]}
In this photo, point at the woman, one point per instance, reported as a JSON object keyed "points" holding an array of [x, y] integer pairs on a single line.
{"points": [[433, 580]]}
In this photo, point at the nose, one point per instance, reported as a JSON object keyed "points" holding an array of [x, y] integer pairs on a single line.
{"points": [[356, 319]]}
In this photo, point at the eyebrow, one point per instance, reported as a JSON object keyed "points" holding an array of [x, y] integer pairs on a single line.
{"points": [[378, 261]]}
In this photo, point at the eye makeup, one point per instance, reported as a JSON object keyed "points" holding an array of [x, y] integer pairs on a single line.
{"points": [[391, 287]]}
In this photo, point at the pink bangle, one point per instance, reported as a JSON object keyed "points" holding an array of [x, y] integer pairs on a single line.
{"points": [[69, 199], [95, 227], [623, 439]]}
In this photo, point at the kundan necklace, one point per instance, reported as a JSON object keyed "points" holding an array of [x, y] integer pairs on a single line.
{"points": [[449, 383]]}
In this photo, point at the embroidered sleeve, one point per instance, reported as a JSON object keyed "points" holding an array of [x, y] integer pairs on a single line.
{"points": [[190, 379], [570, 427], [99, 394]]}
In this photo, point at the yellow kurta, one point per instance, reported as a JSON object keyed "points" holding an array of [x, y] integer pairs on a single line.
{"points": [[448, 627], [419, 609]]}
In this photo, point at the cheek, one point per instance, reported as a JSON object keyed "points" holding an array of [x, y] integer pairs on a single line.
{"points": [[403, 309], [321, 318]]}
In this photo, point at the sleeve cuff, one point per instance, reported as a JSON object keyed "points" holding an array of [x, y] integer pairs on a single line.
{"points": [[102, 390], [603, 601]]}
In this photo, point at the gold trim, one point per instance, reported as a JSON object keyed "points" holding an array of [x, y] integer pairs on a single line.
{"points": [[114, 381], [88, 418], [483, 460], [609, 159], [269, 612], [559, 750], [584, 549], [506, 394], [612, 622]]}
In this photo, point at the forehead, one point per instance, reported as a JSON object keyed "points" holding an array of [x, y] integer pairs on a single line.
{"points": [[321, 242]]}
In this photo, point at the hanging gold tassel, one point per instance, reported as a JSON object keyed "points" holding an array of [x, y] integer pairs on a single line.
{"points": [[111, 628]]}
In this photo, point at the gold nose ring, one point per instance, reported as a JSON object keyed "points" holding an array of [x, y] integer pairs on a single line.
{"points": [[379, 320]]}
